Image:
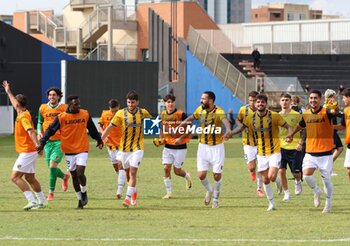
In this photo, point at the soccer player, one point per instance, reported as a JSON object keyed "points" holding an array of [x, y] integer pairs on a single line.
{"points": [[291, 152], [73, 124], [265, 124], [332, 104], [112, 142], [211, 149], [319, 147], [47, 114], [345, 124], [175, 149], [249, 143], [130, 154], [26, 142]]}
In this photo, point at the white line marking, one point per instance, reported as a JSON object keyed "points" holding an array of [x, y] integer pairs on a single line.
{"points": [[9, 238]]}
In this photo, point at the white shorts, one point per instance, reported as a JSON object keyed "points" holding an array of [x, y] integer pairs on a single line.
{"points": [[73, 160], [347, 158], [174, 156], [130, 159], [113, 155], [267, 161], [210, 157], [250, 153], [324, 163], [25, 162]]}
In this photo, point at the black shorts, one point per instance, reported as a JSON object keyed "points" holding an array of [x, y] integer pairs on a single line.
{"points": [[337, 141], [293, 159]]}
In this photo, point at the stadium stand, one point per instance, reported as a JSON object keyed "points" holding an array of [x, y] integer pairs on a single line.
{"points": [[319, 71]]}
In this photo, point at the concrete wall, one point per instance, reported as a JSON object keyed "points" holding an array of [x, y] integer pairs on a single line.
{"points": [[188, 13]]}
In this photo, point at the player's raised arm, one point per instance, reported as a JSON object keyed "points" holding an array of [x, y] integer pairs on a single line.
{"points": [[12, 98]]}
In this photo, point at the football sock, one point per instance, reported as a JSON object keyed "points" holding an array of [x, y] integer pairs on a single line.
{"points": [[78, 194], [167, 182], [121, 181], [29, 195], [129, 192], [83, 188], [52, 179], [60, 174], [259, 180], [40, 196], [217, 189], [328, 189], [205, 182], [310, 180], [268, 192]]}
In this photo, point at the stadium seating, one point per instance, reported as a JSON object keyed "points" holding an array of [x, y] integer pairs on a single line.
{"points": [[319, 71]]}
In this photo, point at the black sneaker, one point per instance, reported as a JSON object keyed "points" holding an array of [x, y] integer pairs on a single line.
{"points": [[80, 205], [84, 198]]}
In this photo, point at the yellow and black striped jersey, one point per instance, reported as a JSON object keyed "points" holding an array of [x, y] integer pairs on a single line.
{"points": [[132, 128], [266, 131], [247, 134], [212, 121]]}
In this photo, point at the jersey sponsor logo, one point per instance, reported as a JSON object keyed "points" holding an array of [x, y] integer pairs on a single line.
{"points": [[51, 115], [316, 120], [75, 121]]}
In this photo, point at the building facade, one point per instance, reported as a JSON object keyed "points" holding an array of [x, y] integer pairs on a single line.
{"points": [[227, 11], [284, 12]]}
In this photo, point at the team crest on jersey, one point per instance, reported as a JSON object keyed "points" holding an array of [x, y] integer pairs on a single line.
{"points": [[19, 166]]}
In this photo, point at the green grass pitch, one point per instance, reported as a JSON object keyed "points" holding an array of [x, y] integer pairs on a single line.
{"points": [[241, 219]]}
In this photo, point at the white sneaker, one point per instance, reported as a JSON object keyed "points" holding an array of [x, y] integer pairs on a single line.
{"points": [[30, 205], [317, 198], [41, 205], [271, 206], [278, 185], [215, 205], [334, 174], [286, 197], [298, 188], [168, 196], [207, 198], [327, 208]]}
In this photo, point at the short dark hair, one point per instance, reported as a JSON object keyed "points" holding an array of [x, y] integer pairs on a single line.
{"points": [[169, 96], [55, 89], [316, 92], [296, 98], [253, 94], [113, 103], [211, 95], [22, 100], [286, 95], [262, 97], [71, 98], [346, 92], [132, 95]]}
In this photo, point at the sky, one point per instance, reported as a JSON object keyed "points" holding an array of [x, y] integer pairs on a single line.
{"points": [[340, 7]]}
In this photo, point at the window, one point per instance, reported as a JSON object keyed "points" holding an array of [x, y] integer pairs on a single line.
{"points": [[290, 16], [302, 16], [145, 54], [275, 15]]}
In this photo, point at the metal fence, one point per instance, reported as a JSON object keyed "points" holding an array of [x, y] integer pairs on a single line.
{"points": [[83, 2], [288, 37], [230, 76], [125, 52]]}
